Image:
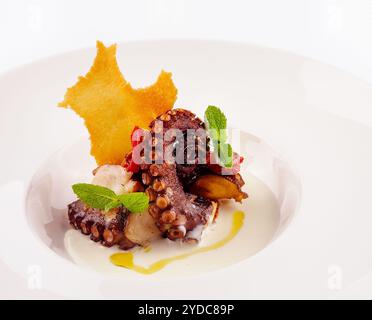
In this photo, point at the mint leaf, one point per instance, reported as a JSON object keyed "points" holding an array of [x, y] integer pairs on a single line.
{"points": [[135, 202], [226, 155], [93, 195], [216, 123], [105, 199], [113, 204], [215, 118]]}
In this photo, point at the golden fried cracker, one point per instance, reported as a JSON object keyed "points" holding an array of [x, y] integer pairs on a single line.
{"points": [[111, 108]]}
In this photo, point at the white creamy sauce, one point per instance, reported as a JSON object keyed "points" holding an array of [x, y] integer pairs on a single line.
{"points": [[260, 225], [196, 233]]}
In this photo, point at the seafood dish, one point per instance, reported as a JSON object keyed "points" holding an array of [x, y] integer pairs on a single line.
{"points": [[161, 172]]}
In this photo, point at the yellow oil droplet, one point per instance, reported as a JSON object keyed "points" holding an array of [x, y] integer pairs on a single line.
{"points": [[147, 249], [125, 259]]}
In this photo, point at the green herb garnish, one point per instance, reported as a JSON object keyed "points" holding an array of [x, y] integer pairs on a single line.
{"points": [[105, 199], [217, 128], [135, 202]]}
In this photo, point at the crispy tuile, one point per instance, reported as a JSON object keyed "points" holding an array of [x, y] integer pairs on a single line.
{"points": [[111, 108]]}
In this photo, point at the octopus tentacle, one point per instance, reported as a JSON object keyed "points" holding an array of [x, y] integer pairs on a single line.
{"points": [[176, 212], [107, 228]]}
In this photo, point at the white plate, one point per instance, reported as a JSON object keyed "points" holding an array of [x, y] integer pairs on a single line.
{"points": [[283, 98], [273, 187]]}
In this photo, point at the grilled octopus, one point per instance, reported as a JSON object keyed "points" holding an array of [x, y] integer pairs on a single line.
{"points": [[180, 213], [183, 196], [106, 228]]}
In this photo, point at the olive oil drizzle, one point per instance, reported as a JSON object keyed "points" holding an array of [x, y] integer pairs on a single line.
{"points": [[126, 259]]}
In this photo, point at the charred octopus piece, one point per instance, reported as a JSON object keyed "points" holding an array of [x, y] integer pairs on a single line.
{"points": [[177, 214], [198, 175], [182, 194], [107, 228], [116, 227]]}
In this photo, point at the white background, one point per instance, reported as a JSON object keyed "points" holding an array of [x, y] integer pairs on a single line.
{"points": [[338, 32]]}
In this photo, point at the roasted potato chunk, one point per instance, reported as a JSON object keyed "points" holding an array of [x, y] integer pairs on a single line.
{"points": [[141, 229], [215, 187]]}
